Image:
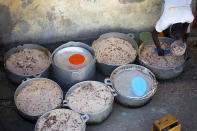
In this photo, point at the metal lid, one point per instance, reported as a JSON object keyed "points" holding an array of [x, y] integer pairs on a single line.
{"points": [[72, 58], [133, 83]]}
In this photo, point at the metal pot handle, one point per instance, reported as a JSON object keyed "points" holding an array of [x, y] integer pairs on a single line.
{"points": [[108, 83], [19, 46], [26, 79], [76, 74], [65, 104], [178, 69], [37, 75], [85, 117], [131, 35], [113, 91]]}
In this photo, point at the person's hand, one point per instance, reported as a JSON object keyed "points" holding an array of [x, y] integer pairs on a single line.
{"points": [[157, 43], [161, 52]]}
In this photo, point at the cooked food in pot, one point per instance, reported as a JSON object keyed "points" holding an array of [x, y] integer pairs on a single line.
{"points": [[28, 61], [60, 120], [38, 97], [89, 97], [148, 55], [114, 51]]}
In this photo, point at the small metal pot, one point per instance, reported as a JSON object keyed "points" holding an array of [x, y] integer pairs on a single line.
{"points": [[162, 73], [129, 100], [107, 69], [84, 117], [18, 78], [21, 86], [67, 77], [96, 117]]}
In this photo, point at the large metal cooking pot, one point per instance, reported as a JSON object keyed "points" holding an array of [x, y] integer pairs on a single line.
{"points": [[84, 117], [23, 85], [132, 101], [96, 117], [107, 69], [162, 73], [18, 78], [67, 77]]}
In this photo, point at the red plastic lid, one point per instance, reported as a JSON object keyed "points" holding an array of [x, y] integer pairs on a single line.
{"points": [[77, 59]]}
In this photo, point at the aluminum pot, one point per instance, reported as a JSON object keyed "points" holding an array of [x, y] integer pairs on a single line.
{"points": [[66, 77], [162, 73], [107, 69], [96, 117], [21, 86], [129, 100], [18, 78], [84, 117]]}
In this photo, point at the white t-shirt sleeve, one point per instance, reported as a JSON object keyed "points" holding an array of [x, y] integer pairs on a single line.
{"points": [[175, 11]]}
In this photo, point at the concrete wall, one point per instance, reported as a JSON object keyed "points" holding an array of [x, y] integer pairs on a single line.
{"points": [[48, 21]]}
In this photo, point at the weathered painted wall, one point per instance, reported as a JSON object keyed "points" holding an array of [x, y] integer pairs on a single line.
{"points": [[48, 21]]}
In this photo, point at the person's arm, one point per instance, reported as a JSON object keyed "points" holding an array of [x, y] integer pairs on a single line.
{"points": [[157, 43], [186, 25]]}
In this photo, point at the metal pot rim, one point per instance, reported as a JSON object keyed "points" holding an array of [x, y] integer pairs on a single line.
{"points": [[65, 46], [20, 47], [46, 113], [23, 84], [150, 42], [129, 66], [120, 36], [75, 86]]}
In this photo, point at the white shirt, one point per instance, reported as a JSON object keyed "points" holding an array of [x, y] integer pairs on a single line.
{"points": [[175, 11]]}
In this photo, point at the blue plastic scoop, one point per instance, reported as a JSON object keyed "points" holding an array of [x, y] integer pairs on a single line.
{"points": [[165, 51], [139, 86]]}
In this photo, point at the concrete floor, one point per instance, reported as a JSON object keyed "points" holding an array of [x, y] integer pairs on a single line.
{"points": [[177, 96]]}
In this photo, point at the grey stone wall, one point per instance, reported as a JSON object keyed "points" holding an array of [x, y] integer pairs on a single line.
{"points": [[51, 21]]}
